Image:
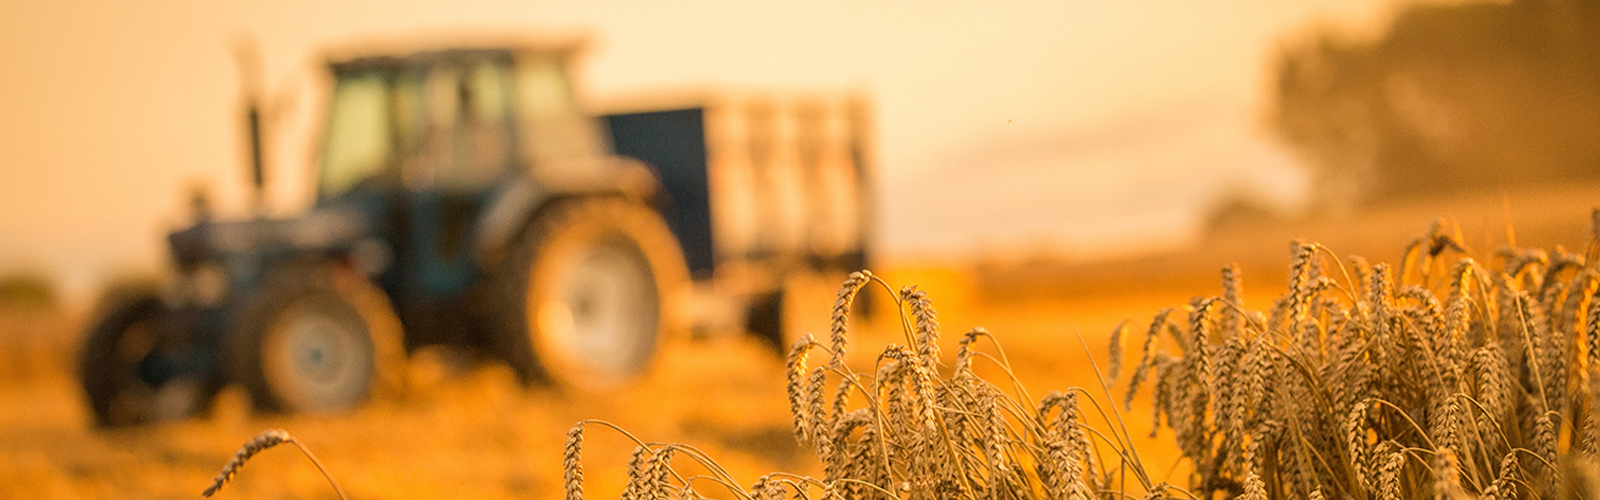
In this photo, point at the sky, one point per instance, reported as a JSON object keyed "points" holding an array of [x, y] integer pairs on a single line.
{"points": [[1086, 127]]}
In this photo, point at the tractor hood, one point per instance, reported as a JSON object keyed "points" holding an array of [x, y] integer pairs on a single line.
{"points": [[324, 229]]}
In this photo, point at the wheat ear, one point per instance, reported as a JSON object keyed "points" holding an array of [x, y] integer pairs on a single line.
{"points": [[839, 327], [1389, 475], [1447, 476], [1504, 486], [1114, 350], [926, 325], [795, 375], [1146, 360], [261, 442], [1254, 489], [572, 463]]}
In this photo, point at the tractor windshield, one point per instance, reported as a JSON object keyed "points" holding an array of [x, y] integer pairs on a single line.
{"points": [[369, 111], [549, 110]]}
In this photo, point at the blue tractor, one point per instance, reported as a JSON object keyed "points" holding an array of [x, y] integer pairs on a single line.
{"points": [[465, 198]]}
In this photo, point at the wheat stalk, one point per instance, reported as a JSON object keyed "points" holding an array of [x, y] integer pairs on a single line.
{"points": [[258, 444]]}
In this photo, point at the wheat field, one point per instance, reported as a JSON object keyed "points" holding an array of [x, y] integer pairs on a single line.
{"points": [[466, 431], [1439, 376], [1448, 372]]}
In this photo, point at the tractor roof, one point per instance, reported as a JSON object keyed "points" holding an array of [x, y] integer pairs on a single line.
{"points": [[410, 52]]}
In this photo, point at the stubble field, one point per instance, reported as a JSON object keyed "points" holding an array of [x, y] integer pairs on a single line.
{"points": [[469, 431]]}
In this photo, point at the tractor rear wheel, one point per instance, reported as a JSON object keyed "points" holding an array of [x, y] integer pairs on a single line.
{"points": [[589, 295], [311, 341], [126, 368]]}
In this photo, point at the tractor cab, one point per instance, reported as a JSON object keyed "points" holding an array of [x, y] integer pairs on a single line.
{"points": [[449, 121], [425, 145]]}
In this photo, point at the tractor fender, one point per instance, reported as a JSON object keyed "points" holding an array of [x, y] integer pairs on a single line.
{"points": [[503, 220]]}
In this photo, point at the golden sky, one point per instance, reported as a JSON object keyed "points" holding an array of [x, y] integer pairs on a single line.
{"points": [[1095, 126]]}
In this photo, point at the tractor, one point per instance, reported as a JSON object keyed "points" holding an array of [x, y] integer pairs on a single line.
{"points": [[466, 198]]}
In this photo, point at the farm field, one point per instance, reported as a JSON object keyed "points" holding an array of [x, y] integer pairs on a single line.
{"points": [[476, 434]]}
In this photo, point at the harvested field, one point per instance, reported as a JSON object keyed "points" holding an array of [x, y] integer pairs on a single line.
{"points": [[472, 432], [475, 434]]}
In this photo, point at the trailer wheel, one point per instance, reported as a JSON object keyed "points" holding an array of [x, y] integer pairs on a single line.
{"points": [[764, 319], [121, 366], [590, 294], [311, 341]]}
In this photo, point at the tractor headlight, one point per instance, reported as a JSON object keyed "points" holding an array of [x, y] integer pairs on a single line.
{"points": [[201, 285], [372, 256], [208, 284]]}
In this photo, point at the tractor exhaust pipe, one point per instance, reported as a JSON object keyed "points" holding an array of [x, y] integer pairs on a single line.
{"points": [[257, 175], [248, 57]]}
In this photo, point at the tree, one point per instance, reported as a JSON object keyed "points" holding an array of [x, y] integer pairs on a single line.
{"points": [[1451, 97]]}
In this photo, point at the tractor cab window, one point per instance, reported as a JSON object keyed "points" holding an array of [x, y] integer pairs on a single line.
{"points": [[475, 114], [466, 142], [555, 126], [358, 143], [374, 120]]}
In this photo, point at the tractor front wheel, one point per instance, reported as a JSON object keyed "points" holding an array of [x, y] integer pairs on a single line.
{"points": [[308, 343]]}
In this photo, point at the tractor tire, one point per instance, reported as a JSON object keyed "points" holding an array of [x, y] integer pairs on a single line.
{"points": [[764, 319], [119, 381], [592, 291], [315, 339]]}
